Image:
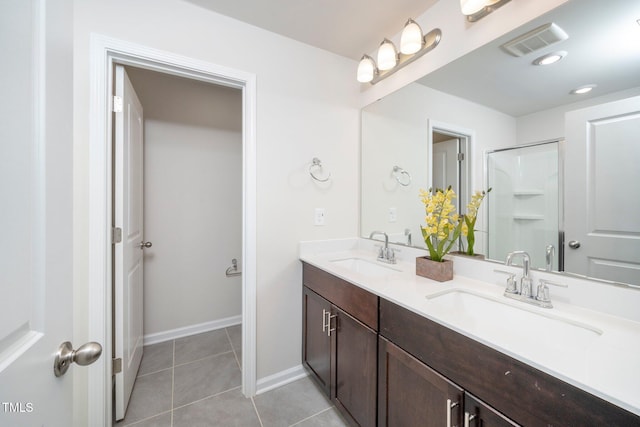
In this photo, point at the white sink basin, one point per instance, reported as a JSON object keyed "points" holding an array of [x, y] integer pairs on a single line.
{"points": [[365, 267], [515, 326]]}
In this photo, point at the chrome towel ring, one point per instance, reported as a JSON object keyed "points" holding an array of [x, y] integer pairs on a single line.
{"points": [[402, 176], [315, 168]]}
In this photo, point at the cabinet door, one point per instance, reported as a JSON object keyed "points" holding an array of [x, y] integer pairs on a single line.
{"points": [[412, 394], [479, 414], [355, 368], [316, 342]]}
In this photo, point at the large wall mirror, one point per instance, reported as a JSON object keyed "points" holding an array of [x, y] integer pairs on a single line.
{"points": [[563, 166]]}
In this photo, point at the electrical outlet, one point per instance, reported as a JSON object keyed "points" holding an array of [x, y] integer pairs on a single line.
{"points": [[319, 216], [393, 214]]}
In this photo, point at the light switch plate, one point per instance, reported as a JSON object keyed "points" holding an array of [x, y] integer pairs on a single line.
{"points": [[393, 214], [319, 216]]}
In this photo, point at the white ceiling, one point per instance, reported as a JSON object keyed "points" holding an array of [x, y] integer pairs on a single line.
{"points": [[346, 27]]}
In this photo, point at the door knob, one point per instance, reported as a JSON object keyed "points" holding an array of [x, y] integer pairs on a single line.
{"points": [[145, 245], [66, 355], [574, 244]]}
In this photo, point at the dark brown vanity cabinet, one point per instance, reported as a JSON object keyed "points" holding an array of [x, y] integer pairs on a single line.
{"points": [[412, 394], [384, 365], [512, 392], [340, 339]]}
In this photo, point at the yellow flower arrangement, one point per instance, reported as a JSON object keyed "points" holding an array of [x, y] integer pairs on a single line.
{"points": [[469, 223], [443, 224]]}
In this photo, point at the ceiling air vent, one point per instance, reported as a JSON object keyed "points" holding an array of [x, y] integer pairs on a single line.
{"points": [[539, 38]]}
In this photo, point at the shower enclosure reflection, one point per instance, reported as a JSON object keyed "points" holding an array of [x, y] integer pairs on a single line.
{"points": [[524, 208]]}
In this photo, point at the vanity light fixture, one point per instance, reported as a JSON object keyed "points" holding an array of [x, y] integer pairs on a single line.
{"points": [[387, 55], [412, 46], [550, 58], [477, 9], [582, 89]]}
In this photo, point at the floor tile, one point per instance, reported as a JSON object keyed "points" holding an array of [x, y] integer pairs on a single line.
{"points": [[226, 409], [204, 378], [235, 334], [151, 396], [156, 357], [291, 403], [163, 420], [327, 418], [195, 347]]}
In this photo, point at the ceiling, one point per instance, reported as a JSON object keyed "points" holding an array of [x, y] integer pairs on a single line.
{"points": [[348, 28], [603, 48]]}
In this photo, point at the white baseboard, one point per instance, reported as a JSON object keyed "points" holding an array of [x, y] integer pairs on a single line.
{"points": [[185, 331], [281, 378]]}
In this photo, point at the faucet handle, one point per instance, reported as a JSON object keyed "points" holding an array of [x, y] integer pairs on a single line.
{"points": [[512, 288], [543, 289]]}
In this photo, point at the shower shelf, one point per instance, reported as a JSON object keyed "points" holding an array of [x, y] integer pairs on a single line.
{"points": [[528, 217]]}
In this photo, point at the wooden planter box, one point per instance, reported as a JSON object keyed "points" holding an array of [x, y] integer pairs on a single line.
{"points": [[439, 271]]}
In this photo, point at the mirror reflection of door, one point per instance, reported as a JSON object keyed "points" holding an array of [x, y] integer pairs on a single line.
{"points": [[445, 164], [447, 169], [601, 195]]}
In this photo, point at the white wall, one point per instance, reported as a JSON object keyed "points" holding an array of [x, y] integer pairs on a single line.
{"points": [[192, 201], [307, 106]]}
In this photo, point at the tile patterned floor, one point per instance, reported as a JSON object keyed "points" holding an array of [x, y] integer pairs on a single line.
{"points": [[195, 381]]}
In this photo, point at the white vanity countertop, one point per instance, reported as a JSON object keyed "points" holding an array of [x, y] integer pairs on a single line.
{"points": [[601, 357]]}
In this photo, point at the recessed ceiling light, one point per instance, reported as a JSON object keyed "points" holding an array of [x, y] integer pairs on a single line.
{"points": [[550, 58], [582, 89]]}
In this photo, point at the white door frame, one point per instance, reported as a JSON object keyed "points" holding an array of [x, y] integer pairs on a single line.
{"points": [[104, 52]]}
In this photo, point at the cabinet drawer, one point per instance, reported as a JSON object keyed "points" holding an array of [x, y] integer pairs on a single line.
{"points": [[356, 301], [527, 395]]}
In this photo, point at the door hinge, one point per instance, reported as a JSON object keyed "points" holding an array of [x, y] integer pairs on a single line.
{"points": [[116, 235], [117, 366], [460, 157], [117, 104]]}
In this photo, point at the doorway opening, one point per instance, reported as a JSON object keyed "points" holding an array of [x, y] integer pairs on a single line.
{"points": [[105, 54], [178, 209], [449, 149]]}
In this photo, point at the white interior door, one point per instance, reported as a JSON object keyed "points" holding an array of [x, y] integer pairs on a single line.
{"points": [[36, 252], [128, 255], [445, 165], [602, 200]]}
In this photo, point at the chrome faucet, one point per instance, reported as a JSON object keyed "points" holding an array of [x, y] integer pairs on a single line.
{"points": [[407, 233], [549, 253], [525, 290], [386, 254]]}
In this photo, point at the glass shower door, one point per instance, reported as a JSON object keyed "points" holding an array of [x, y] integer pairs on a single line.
{"points": [[523, 206]]}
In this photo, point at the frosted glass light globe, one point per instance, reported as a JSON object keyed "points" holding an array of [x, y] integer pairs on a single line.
{"points": [[469, 7], [366, 69], [411, 39], [387, 55]]}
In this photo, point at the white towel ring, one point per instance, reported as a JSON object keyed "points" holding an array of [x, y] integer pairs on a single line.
{"points": [[398, 172], [316, 166]]}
